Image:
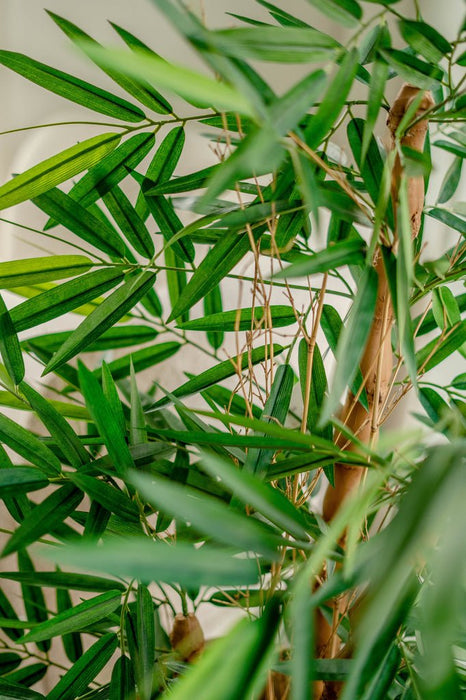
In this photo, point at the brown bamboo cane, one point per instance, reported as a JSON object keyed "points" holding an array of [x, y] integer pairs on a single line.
{"points": [[377, 361]]}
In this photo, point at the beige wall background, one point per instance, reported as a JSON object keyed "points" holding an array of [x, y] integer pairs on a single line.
{"points": [[26, 28]]}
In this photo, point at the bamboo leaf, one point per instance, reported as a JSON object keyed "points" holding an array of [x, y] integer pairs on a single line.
{"points": [[24, 443], [241, 319], [9, 618], [421, 74], [33, 598], [109, 312], [35, 270], [64, 298], [15, 691], [71, 641], [137, 426], [145, 633], [129, 221], [77, 219], [114, 338], [106, 495], [162, 166], [212, 306], [141, 91], [157, 561], [404, 274], [75, 681], [378, 79], [345, 12], [446, 217], [142, 359], [44, 518], [10, 348], [220, 372], [424, 39], [207, 514], [351, 341], [251, 490], [57, 169], [122, 682], [450, 181], [17, 480], [106, 420], [169, 223], [185, 82], [347, 252], [438, 349], [64, 580]]}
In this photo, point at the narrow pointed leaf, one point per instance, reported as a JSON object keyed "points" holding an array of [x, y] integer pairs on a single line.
{"points": [[10, 349], [145, 633], [75, 681], [64, 579], [35, 270], [109, 312], [44, 518], [24, 443], [129, 221], [16, 480], [170, 224], [57, 169], [72, 643], [419, 73], [162, 165], [109, 497], [122, 682], [33, 597], [348, 252], [241, 319]]}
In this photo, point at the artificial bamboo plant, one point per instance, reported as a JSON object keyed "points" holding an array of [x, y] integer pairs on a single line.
{"points": [[297, 266]]}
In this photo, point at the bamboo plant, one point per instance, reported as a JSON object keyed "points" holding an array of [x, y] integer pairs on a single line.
{"points": [[267, 481]]}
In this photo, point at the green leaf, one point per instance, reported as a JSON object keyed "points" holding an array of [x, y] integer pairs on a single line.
{"points": [[169, 223], [351, 341], [57, 169], [15, 691], [72, 643], [122, 682], [77, 618], [142, 91], [21, 480], [44, 518], [235, 666], [65, 580], [419, 73], [24, 443], [63, 298], [216, 374], [212, 306], [438, 350], [446, 217], [139, 557], [142, 359], [252, 491], [404, 275], [106, 420], [184, 183], [109, 312], [275, 410], [77, 219], [33, 598], [450, 181], [111, 169], [76, 680], [218, 262], [207, 515], [241, 319], [108, 496], [114, 338], [185, 82], [278, 44], [424, 39], [34, 270], [334, 98], [145, 634], [71, 88], [379, 75], [9, 661], [129, 221], [10, 348], [345, 12], [162, 165], [347, 252], [8, 618]]}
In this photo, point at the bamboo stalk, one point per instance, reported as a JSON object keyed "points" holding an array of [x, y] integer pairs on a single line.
{"points": [[377, 361]]}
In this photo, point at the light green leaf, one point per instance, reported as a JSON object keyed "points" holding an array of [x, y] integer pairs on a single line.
{"points": [[208, 515], [145, 634], [424, 39], [439, 349], [34, 270], [345, 12], [185, 82], [57, 169], [404, 275], [140, 557], [451, 181], [446, 217], [352, 341], [109, 312], [419, 73], [44, 518], [347, 252]]}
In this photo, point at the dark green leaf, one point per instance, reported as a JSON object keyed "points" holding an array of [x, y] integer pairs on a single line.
{"points": [[21, 480], [439, 349], [212, 306], [108, 496], [75, 681], [142, 359], [33, 598], [145, 634], [111, 310], [10, 348], [129, 221], [71, 88], [8, 617], [241, 319], [345, 253], [162, 165], [14, 691], [450, 181], [71, 641], [24, 443], [122, 683], [424, 39], [44, 518], [169, 223], [64, 579]]}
